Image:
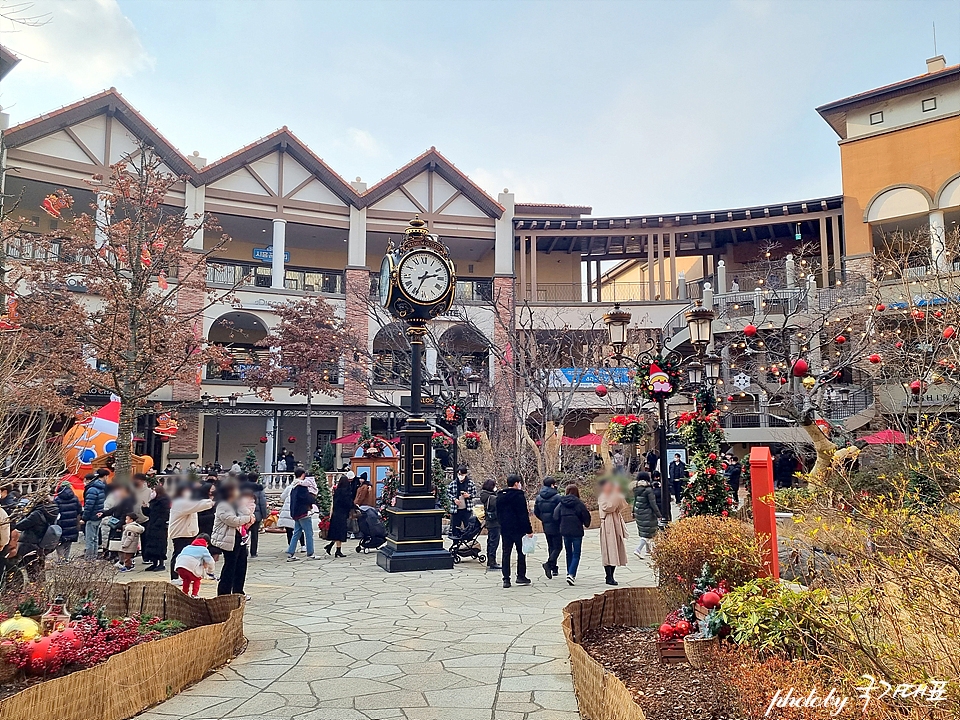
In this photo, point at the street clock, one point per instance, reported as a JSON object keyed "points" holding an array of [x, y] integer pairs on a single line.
{"points": [[417, 280]]}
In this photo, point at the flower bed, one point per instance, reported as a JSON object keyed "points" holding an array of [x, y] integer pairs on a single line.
{"points": [[146, 674]]}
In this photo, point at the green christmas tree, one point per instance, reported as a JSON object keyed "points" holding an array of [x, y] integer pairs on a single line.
{"points": [[440, 486], [329, 457], [324, 496], [250, 462], [707, 493]]}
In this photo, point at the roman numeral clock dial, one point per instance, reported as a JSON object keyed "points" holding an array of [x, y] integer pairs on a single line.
{"points": [[424, 276]]}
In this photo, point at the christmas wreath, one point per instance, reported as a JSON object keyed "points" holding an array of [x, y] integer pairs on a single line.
{"points": [[441, 441], [659, 380], [455, 413], [626, 429], [471, 440], [372, 447]]}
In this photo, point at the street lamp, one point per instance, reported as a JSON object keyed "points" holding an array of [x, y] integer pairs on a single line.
{"points": [[205, 401], [441, 399], [700, 324], [714, 365], [473, 385]]}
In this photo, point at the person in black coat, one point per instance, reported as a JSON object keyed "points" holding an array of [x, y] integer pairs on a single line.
{"points": [[547, 501], [653, 459], [514, 520], [34, 526], [153, 543], [677, 472], [69, 507], [572, 517], [339, 515]]}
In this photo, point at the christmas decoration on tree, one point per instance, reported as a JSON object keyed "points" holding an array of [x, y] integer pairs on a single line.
{"points": [[324, 496], [707, 492], [391, 487], [250, 462], [660, 379]]}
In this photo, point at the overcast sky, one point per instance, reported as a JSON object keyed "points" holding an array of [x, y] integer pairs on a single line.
{"points": [[631, 107]]}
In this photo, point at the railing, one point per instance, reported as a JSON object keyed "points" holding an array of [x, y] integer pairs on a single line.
{"points": [[753, 418], [309, 279], [859, 398], [766, 302]]}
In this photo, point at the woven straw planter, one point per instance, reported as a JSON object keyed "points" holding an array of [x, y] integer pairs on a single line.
{"points": [[131, 681], [600, 694], [696, 650]]}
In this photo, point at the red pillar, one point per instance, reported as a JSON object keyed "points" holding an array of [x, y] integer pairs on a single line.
{"points": [[764, 518]]}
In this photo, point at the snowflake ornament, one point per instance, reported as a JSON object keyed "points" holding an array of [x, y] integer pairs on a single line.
{"points": [[741, 381]]}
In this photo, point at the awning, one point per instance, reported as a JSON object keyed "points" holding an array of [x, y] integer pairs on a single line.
{"points": [[886, 437], [591, 439], [351, 439]]}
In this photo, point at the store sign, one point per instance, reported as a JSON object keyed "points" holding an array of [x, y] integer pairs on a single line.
{"points": [[589, 378], [266, 255]]}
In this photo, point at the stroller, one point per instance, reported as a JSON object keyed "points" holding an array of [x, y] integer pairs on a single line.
{"points": [[466, 545], [372, 532]]}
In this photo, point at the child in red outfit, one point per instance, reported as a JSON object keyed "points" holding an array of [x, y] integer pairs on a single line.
{"points": [[192, 562]]}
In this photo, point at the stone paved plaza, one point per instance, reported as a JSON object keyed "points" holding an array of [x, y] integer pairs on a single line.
{"points": [[343, 640]]}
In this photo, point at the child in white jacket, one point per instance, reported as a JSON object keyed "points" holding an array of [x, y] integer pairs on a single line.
{"points": [[192, 562]]}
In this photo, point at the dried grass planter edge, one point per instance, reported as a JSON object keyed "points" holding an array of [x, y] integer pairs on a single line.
{"points": [[145, 675], [600, 694]]}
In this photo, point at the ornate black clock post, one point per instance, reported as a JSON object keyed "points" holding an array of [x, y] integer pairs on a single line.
{"points": [[416, 284]]}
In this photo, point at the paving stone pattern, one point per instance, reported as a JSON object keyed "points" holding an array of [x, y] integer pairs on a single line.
{"points": [[340, 639]]}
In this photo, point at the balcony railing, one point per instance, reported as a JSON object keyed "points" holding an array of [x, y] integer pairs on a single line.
{"points": [[309, 279]]}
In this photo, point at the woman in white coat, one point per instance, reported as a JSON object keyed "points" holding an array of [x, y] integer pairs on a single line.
{"points": [[285, 520]]}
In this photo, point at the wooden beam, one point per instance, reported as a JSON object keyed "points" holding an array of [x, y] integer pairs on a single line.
{"points": [[260, 180], [86, 151], [412, 199]]}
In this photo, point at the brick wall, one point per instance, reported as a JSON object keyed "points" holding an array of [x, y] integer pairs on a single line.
{"points": [[503, 381], [186, 444], [358, 324]]}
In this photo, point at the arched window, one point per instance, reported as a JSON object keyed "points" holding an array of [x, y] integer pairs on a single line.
{"points": [[239, 332], [464, 351], [391, 356]]}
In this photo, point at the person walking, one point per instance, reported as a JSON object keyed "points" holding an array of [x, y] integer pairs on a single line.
{"points": [[572, 517], [488, 497], [613, 531], [653, 460], [646, 511], [69, 507], [226, 536], [733, 473], [261, 511], [283, 519], [184, 525], [462, 494], [153, 544], [94, 493], [547, 501], [339, 515], [301, 504], [514, 524], [677, 472]]}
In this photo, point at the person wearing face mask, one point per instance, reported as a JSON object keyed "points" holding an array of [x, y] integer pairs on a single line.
{"points": [[462, 493]]}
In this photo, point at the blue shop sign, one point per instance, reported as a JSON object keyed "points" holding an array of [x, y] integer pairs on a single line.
{"points": [[591, 377], [266, 255]]}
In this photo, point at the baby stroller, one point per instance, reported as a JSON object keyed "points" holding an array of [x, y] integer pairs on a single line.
{"points": [[466, 545], [372, 532]]}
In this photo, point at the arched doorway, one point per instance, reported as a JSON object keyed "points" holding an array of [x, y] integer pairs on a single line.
{"points": [[240, 333]]}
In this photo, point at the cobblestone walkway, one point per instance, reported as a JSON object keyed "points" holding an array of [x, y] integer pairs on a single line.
{"points": [[343, 640]]}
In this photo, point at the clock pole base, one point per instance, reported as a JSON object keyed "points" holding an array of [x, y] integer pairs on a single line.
{"points": [[395, 560]]}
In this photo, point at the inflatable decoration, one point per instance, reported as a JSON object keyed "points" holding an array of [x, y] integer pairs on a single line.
{"points": [[90, 442]]}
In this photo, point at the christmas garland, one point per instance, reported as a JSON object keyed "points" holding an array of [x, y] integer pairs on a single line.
{"points": [[455, 413], [659, 380], [372, 447]]}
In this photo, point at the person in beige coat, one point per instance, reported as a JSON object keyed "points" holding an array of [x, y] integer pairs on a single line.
{"points": [[613, 531]]}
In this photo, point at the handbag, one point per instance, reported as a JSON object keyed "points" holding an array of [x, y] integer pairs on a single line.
{"points": [[528, 545]]}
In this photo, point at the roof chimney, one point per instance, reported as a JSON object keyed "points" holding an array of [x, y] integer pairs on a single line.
{"points": [[936, 64]]}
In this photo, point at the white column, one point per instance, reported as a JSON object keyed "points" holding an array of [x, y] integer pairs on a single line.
{"points": [[791, 268], [708, 296], [194, 200], [431, 359], [681, 285], [279, 247], [938, 249], [357, 239], [270, 448], [721, 277], [99, 234], [503, 248]]}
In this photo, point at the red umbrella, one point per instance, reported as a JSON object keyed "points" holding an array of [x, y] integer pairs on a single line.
{"points": [[591, 439], [351, 439], [886, 437]]}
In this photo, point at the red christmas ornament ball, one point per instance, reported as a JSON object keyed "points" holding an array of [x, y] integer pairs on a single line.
{"points": [[840, 339], [601, 390], [729, 398], [710, 599], [42, 651], [898, 345], [712, 456], [682, 628], [724, 514], [750, 330], [263, 439], [948, 332], [875, 359], [938, 314], [800, 367], [918, 315], [711, 471], [916, 386], [699, 498], [666, 631], [881, 307], [783, 381], [69, 637], [292, 439]]}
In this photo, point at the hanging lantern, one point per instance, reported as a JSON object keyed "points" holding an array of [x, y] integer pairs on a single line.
{"points": [[881, 307], [292, 439], [601, 390], [750, 330], [263, 439], [800, 367], [875, 359]]}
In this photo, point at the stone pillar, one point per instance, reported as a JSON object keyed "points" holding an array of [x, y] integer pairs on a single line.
{"points": [[194, 200], [938, 250], [708, 296], [357, 320], [270, 448], [279, 248], [681, 285], [721, 277], [791, 271]]}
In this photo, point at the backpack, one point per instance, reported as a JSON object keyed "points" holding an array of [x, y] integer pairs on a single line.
{"points": [[51, 538]]}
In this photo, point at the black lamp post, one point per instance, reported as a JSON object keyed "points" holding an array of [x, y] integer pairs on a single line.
{"points": [[441, 398], [205, 400], [700, 323]]}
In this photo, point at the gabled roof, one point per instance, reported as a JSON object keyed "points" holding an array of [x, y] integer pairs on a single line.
{"points": [[532, 208], [835, 113], [110, 102], [7, 61], [432, 160], [290, 144]]}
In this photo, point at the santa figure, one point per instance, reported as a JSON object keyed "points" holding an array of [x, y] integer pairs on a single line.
{"points": [[658, 381]]}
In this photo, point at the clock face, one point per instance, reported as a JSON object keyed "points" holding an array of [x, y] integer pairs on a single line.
{"points": [[385, 267], [424, 276]]}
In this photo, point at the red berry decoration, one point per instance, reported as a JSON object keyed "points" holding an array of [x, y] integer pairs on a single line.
{"points": [[666, 631], [840, 339], [712, 456], [875, 359], [724, 514], [710, 599], [601, 390], [918, 315], [699, 498], [948, 332], [800, 367], [916, 386], [750, 330], [881, 307], [729, 501]]}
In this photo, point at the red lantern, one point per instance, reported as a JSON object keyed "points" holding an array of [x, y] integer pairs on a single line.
{"points": [[710, 599], [916, 387], [263, 439], [948, 332], [840, 339], [875, 359], [750, 330], [800, 367], [601, 390], [292, 439], [881, 307]]}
